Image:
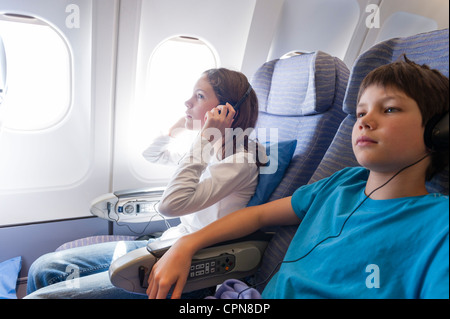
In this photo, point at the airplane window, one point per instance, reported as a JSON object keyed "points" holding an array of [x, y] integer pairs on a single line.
{"points": [[38, 78], [173, 68], [403, 24]]}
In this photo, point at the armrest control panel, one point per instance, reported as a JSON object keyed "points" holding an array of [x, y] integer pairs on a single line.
{"points": [[128, 206], [219, 265]]}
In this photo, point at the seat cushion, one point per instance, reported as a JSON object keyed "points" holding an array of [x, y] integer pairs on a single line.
{"points": [[94, 240]]}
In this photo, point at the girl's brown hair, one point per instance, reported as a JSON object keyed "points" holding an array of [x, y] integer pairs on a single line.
{"points": [[230, 86]]}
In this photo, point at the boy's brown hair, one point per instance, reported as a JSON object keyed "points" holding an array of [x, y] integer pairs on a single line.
{"points": [[428, 87]]}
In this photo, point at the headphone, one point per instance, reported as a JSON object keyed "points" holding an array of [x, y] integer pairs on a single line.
{"points": [[436, 133], [244, 97], [242, 100]]}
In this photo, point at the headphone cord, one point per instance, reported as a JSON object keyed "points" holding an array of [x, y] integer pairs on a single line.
{"points": [[332, 236], [137, 233]]}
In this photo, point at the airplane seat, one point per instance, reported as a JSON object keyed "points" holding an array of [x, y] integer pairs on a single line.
{"points": [[301, 99], [430, 48]]}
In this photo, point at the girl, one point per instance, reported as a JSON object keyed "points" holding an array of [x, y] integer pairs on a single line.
{"points": [[204, 187]]}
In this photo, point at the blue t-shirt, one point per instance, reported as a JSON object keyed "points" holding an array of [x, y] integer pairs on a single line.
{"points": [[395, 248]]}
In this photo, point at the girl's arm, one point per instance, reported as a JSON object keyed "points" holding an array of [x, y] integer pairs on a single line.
{"points": [[173, 267], [190, 191], [158, 151]]}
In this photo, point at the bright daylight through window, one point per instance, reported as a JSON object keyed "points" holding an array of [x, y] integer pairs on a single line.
{"points": [[173, 68], [38, 74]]}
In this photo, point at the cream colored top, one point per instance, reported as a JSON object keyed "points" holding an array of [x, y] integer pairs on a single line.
{"points": [[204, 188]]}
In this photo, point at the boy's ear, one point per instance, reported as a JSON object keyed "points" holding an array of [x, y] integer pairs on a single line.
{"points": [[436, 133]]}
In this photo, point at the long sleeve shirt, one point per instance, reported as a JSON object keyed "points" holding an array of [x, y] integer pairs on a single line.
{"points": [[204, 188]]}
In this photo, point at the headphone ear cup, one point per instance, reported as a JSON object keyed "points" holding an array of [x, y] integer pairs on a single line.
{"points": [[436, 133]]}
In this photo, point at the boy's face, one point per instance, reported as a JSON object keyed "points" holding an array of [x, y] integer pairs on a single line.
{"points": [[388, 133]]}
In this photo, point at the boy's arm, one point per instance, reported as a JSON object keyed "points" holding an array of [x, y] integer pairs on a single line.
{"points": [[173, 267]]}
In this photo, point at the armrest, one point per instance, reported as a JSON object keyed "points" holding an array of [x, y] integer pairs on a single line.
{"points": [[210, 266], [131, 206], [159, 247]]}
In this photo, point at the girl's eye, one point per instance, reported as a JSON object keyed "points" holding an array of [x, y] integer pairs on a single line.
{"points": [[200, 96], [360, 114]]}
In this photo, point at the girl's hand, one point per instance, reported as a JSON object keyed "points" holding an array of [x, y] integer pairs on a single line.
{"points": [[178, 127], [172, 269], [218, 119]]}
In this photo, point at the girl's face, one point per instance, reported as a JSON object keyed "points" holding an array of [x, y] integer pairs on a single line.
{"points": [[203, 100], [388, 133]]}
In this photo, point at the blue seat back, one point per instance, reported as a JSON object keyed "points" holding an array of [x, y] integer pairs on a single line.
{"points": [[430, 48], [302, 98]]}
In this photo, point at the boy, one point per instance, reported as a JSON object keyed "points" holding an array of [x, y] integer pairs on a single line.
{"points": [[365, 232]]}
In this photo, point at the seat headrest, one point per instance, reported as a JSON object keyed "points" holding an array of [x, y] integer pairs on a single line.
{"points": [[297, 86], [429, 48]]}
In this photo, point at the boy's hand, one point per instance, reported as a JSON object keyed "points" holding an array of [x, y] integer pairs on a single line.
{"points": [[172, 269]]}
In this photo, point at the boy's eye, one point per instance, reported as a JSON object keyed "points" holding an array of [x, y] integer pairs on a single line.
{"points": [[200, 96], [360, 114], [390, 110]]}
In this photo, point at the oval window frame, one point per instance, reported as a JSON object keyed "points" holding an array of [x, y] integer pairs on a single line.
{"points": [[62, 106]]}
